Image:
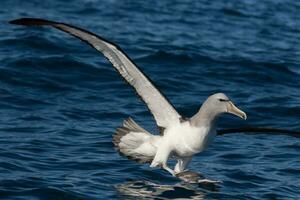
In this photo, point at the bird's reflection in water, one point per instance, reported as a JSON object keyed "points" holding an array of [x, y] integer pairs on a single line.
{"points": [[149, 190]]}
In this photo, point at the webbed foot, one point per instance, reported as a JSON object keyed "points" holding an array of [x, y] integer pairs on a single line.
{"points": [[194, 177], [189, 176]]}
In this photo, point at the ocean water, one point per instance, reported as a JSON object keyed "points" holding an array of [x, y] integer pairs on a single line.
{"points": [[61, 101]]}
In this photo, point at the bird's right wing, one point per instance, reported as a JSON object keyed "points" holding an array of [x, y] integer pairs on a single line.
{"points": [[163, 112], [259, 130]]}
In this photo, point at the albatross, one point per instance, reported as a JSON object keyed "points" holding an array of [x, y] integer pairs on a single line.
{"points": [[180, 138]]}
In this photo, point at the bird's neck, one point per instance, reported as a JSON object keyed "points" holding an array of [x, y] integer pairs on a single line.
{"points": [[205, 117]]}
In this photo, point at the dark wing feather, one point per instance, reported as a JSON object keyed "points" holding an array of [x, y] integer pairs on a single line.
{"points": [[259, 130]]}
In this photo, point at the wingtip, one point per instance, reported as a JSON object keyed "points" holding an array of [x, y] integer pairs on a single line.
{"points": [[15, 21], [30, 21]]}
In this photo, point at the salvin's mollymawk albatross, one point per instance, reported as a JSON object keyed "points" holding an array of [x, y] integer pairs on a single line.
{"points": [[180, 138]]}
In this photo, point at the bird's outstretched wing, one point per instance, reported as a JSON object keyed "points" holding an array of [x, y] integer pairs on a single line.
{"points": [[259, 130], [163, 112]]}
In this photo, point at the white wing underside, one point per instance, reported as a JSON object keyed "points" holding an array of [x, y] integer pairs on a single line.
{"points": [[163, 112]]}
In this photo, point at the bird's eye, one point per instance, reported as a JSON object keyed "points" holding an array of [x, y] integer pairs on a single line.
{"points": [[223, 100]]}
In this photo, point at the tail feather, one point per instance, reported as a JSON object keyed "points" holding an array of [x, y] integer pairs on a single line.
{"points": [[132, 125], [134, 142]]}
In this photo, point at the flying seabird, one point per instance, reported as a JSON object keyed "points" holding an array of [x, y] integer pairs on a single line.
{"points": [[180, 138]]}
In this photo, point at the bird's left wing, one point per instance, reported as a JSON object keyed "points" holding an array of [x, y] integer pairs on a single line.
{"points": [[162, 110], [259, 130]]}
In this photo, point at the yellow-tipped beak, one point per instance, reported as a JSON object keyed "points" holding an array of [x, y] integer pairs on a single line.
{"points": [[231, 108]]}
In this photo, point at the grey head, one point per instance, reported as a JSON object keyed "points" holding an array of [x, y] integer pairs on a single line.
{"points": [[213, 107]]}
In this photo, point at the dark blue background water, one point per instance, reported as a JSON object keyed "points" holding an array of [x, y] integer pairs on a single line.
{"points": [[61, 101]]}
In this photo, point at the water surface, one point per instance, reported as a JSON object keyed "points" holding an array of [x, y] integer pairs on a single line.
{"points": [[61, 101]]}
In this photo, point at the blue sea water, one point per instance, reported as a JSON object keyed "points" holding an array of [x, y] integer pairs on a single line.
{"points": [[61, 101]]}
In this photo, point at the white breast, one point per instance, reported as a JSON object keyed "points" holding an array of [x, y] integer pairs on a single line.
{"points": [[187, 140]]}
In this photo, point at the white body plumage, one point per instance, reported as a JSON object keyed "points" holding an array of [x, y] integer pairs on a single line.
{"points": [[182, 140]]}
